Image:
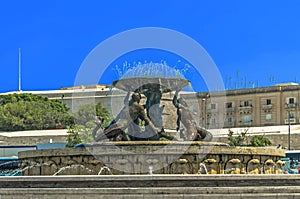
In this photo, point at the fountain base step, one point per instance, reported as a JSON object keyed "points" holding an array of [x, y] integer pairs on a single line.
{"points": [[150, 186]]}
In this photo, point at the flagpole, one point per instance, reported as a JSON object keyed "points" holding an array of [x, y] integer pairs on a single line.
{"points": [[19, 79]]}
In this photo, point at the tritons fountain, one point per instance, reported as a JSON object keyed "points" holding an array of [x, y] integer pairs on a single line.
{"points": [[155, 132]]}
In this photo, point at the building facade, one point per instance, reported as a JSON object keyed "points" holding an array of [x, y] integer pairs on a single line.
{"points": [[269, 106]]}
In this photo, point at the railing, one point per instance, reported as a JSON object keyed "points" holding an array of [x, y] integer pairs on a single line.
{"points": [[231, 109], [212, 110], [292, 121], [228, 124], [245, 109], [293, 105], [267, 107]]}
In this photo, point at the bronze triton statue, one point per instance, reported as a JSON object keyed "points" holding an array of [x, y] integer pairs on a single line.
{"points": [[127, 124]]}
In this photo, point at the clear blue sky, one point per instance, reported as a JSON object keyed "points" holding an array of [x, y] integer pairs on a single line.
{"points": [[248, 39]]}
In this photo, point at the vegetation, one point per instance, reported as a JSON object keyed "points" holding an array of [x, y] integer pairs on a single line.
{"points": [[84, 117], [242, 140], [31, 112], [73, 137], [87, 112], [238, 140], [260, 140]]}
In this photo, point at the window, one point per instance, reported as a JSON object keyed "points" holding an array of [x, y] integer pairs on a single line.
{"points": [[268, 102], [229, 105], [269, 117], [213, 106], [246, 103], [229, 120], [291, 100], [192, 108], [213, 121], [291, 115], [247, 118]]}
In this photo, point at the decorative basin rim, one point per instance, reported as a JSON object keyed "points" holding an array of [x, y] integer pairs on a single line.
{"points": [[142, 84]]}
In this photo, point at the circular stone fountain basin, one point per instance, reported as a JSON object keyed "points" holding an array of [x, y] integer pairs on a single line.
{"points": [[157, 157]]}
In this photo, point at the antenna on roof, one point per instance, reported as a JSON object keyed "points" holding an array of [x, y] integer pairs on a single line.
{"points": [[238, 76], [19, 79]]}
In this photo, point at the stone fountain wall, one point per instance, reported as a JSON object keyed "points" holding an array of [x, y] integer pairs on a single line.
{"points": [[156, 157]]}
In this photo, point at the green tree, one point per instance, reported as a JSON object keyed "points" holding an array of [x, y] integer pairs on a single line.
{"points": [[242, 138], [84, 123], [73, 137], [238, 140], [259, 141], [28, 97], [32, 112], [87, 112]]}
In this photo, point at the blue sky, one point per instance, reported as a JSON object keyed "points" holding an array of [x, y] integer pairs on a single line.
{"points": [[253, 43]]}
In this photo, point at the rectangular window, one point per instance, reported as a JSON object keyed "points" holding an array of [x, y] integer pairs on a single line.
{"points": [[291, 100], [246, 103], [213, 106], [192, 108], [268, 102], [229, 120], [229, 105], [291, 115], [213, 121], [247, 119], [269, 117]]}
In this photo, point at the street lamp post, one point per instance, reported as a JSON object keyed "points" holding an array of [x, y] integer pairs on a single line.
{"points": [[289, 131], [289, 126], [204, 114], [205, 109]]}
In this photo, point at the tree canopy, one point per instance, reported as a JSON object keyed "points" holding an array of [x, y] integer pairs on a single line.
{"points": [[25, 111], [87, 112], [84, 123], [242, 140]]}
